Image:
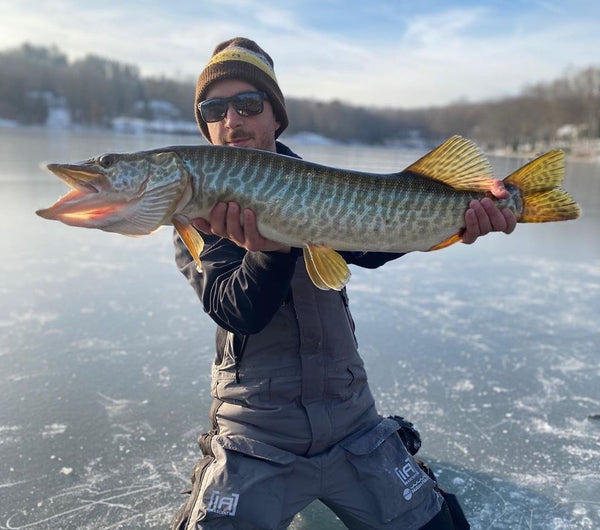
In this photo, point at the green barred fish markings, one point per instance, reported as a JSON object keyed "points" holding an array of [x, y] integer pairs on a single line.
{"points": [[318, 208]]}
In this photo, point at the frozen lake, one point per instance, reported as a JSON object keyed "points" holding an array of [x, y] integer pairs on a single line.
{"points": [[492, 350]]}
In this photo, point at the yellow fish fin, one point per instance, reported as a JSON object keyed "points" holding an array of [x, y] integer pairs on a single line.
{"points": [[546, 206], [190, 237], [326, 268], [542, 174], [539, 181], [456, 238], [312, 271], [459, 163]]}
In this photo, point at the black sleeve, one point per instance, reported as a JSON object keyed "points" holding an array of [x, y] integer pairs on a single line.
{"points": [[240, 291], [369, 260]]}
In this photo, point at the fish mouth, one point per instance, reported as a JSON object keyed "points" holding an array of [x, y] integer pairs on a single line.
{"points": [[79, 177], [84, 203]]}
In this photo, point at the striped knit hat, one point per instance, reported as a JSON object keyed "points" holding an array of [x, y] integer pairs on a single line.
{"points": [[241, 58]]}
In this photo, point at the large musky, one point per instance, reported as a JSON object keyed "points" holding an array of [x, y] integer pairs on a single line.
{"points": [[382, 52]]}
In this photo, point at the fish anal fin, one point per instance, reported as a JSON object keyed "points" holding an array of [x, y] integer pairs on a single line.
{"points": [[190, 237], [326, 268], [456, 238], [459, 163]]}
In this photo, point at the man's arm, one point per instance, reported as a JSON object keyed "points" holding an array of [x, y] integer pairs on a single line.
{"points": [[241, 290]]}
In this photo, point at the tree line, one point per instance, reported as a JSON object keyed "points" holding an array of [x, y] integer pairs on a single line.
{"points": [[95, 90]]}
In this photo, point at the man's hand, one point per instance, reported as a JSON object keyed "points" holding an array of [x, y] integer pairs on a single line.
{"points": [[483, 216], [225, 221]]}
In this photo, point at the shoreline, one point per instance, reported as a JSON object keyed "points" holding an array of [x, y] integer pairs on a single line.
{"points": [[587, 150]]}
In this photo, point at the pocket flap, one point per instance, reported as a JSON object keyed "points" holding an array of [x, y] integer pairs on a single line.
{"points": [[255, 449], [367, 442]]}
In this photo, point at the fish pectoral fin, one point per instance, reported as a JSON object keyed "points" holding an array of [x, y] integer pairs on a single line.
{"points": [[456, 238], [459, 163], [191, 238], [312, 271], [326, 268]]}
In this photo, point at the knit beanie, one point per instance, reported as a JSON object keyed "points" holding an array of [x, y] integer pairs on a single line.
{"points": [[241, 58]]}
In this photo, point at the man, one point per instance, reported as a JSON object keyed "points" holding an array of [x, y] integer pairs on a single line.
{"points": [[293, 419]]}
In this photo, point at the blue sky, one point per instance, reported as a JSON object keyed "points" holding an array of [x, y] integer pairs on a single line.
{"points": [[404, 54]]}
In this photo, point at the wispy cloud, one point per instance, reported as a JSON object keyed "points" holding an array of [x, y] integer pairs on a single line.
{"points": [[383, 53]]}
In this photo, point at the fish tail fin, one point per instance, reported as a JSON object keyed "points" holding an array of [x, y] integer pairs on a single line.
{"points": [[543, 199]]}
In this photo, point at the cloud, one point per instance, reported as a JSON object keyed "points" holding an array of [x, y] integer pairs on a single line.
{"points": [[383, 54]]}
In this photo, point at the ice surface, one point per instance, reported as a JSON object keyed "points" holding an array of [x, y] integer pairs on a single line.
{"points": [[105, 352]]}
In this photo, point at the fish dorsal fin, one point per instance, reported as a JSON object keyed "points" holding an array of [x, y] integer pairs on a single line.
{"points": [[190, 237], [459, 163], [326, 268]]}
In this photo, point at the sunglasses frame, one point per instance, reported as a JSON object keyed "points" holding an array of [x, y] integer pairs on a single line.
{"points": [[235, 103]]}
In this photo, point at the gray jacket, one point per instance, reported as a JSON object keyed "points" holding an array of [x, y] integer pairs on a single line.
{"points": [[287, 370]]}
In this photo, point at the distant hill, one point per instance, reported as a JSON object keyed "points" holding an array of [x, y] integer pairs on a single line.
{"points": [[39, 83]]}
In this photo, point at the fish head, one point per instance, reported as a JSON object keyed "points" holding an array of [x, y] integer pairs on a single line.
{"points": [[132, 194]]}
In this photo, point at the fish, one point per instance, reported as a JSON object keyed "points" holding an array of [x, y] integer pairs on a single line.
{"points": [[320, 209]]}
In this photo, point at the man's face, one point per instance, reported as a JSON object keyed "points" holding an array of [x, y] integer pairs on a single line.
{"points": [[257, 132]]}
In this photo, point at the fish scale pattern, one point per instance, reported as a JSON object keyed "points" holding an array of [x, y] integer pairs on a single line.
{"points": [[306, 203]]}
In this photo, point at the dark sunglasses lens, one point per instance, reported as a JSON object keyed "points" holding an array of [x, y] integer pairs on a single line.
{"points": [[213, 110], [245, 104], [248, 104]]}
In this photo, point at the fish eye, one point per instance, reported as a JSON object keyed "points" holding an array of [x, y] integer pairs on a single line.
{"points": [[106, 160]]}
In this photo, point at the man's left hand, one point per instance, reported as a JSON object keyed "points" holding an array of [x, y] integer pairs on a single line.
{"points": [[483, 216]]}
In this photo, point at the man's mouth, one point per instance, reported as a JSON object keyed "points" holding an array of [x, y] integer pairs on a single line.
{"points": [[239, 140]]}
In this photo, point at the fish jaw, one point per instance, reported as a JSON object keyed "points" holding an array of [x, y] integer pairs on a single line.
{"points": [[83, 177], [87, 204], [85, 209]]}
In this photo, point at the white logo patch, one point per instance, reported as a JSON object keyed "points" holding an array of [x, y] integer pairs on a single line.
{"points": [[411, 477], [223, 504], [407, 472]]}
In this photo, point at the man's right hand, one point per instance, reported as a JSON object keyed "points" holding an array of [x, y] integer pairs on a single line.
{"points": [[225, 221]]}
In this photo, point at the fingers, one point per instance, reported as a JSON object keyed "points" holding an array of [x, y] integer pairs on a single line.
{"points": [[218, 219], [511, 220], [484, 217], [471, 231], [201, 224], [234, 228], [225, 221], [254, 241], [483, 212]]}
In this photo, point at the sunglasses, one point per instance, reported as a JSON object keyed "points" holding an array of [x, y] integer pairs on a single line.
{"points": [[245, 104]]}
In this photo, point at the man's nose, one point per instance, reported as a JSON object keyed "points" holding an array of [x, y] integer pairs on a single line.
{"points": [[232, 118]]}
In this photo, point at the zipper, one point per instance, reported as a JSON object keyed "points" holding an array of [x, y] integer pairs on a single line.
{"points": [[238, 359]]}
